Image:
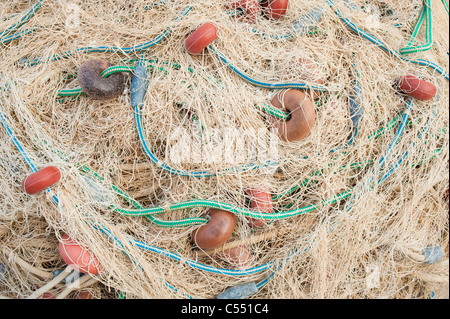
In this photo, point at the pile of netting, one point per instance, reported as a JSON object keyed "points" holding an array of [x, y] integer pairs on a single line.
{"points": [[358, 207]]}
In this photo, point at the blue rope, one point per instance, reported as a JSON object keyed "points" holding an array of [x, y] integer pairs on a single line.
{"points": [[16, 143], [389, 173], [391, 146], [265, 85], [18, 35], [22, 21]]}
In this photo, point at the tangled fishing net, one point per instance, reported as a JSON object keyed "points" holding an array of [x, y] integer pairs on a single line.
{"points": [[356, 202]]}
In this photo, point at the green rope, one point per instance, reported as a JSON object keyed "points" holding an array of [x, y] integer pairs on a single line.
{"points": [[71, 92], [159, 222], [276, 112], [445, 3], [424, 14]]}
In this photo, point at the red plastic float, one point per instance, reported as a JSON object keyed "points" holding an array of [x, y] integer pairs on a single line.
{"points": [[275, 9], [303, 114], [416, 88], [201, 38], [41, 180], [217, 231], [260, 201], [252, 9], [78, 257]]}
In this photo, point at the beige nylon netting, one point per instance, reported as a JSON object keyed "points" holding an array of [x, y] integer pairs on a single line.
{"points": [[366, 245]]}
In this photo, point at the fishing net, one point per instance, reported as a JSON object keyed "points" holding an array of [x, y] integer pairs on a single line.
{"points": [[355, 202]]}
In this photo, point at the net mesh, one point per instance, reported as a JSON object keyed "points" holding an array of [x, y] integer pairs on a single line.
{"points": [[200, 116]]}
